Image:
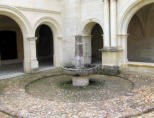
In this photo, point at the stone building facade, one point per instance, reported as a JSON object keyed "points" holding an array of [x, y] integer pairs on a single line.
{"points": [[33, 30]]}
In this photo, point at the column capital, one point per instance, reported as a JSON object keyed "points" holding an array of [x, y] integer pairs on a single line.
{"points": [[123, 35], [114, 0], [105, 0], [86, 35], [32, 38], [111, 49], [60, 37]]}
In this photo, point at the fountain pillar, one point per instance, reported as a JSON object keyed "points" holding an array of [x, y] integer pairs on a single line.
{"points": [[87, 52], [79, 63], [79, 58]]}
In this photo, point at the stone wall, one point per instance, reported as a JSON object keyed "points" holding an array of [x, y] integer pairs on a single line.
{"points": [[54, 5]]}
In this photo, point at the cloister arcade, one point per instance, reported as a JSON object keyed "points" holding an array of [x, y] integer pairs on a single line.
{"points": [[31, 40]]}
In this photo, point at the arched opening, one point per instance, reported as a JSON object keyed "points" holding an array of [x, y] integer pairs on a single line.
{"points": [[140, 44], [97, 43], [44, 46], [11, 46], [93, 40]]}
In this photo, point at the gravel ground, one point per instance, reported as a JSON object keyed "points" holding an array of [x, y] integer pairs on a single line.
{"points": [[3, 115], [134, 102], [146, 115]]}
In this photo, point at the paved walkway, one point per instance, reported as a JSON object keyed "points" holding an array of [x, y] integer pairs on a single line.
{"points": [[12, 70], [15, 70]]}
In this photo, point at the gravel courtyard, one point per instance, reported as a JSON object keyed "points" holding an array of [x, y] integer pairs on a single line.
{"points": [[49, 94]]}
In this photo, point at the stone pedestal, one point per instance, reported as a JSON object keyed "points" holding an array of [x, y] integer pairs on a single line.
{"points": [[111, 60], [80, 81]]}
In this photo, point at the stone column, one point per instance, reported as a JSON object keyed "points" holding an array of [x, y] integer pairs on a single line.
{"points": [[122, 38], [106, 23], [30, 60], [113, 22], [58, 57]]}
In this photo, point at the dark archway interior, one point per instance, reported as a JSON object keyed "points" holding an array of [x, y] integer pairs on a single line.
{"points": [[141, 35], [11, 48], [11, 41], [44, 45], [8, 45], [97, 43]]}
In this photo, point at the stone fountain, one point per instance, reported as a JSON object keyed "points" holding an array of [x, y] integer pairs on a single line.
{"points": [[80, 71]]}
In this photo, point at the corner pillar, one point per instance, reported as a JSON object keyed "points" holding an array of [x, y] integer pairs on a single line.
{"points": [[111, 53], [123, 45]]}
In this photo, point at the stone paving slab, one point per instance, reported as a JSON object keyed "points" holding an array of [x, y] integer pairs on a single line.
{"points": [[14, 100]]}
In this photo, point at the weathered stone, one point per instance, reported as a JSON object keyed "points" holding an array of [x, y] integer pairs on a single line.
{"points": [[83, 71], [110, 70], [80, 81], [79, 69]]}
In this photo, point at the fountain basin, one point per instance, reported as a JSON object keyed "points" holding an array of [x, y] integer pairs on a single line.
{"points": [[87, 70], [81, 75]]}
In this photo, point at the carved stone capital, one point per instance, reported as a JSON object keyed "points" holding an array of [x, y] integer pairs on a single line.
{"points": [[32, 38], [123, 35], [110, 49], [87, 36]]}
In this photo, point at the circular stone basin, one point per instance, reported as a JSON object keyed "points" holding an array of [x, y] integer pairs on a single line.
{"points": [[60, 89], [87, 70]]}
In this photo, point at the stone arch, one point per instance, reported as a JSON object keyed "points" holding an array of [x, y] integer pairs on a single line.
{"points": [[140, 42], [18, 17], [25, 27], [92, 30], [88, 25], [55, 28], [130, 12], [53, 24]]}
